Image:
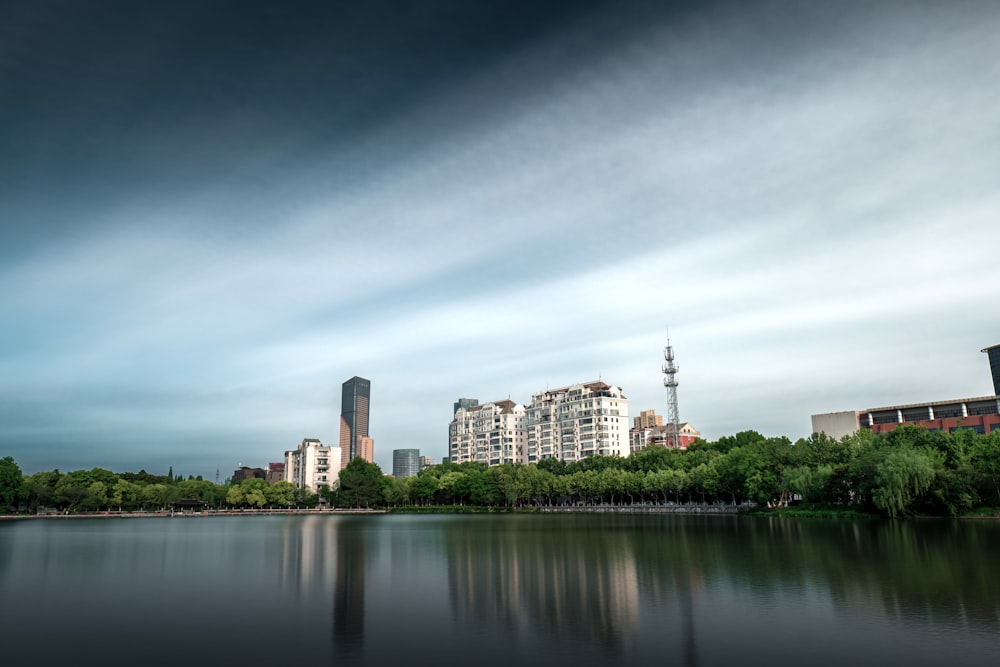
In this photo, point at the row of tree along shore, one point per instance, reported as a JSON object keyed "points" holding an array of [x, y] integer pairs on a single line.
{"points": [[906, 472]]}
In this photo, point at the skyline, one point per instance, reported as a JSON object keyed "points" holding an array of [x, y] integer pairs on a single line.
{"points": [[215, 213]]}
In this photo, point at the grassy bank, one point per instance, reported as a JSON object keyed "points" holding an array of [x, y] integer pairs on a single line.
{"points": [[815, 510], [983, 513]]}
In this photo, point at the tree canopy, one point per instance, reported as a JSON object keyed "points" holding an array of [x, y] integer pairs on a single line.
{"points": [[901, 473]]}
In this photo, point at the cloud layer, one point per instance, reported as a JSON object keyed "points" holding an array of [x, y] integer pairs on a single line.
{"points": [[805, 195]]}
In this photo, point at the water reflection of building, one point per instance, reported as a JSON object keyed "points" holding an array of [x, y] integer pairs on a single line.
{"points": [[349, 597], [306, 564], [320, 554], [545, 582]]}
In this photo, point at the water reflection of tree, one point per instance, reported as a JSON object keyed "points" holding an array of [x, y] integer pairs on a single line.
{"points": [[919, 571], [584, 579]]}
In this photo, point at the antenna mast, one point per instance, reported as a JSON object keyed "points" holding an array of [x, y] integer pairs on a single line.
{"points": [[670, 370]]}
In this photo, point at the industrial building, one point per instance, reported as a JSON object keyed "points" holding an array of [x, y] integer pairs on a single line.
{"points": [[981, 414]]}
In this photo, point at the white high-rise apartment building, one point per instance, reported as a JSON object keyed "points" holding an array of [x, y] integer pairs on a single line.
{"points": [[313, 465], [573, 423], [492, 433]]}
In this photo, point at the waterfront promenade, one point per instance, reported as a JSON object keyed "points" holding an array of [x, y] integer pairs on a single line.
{"points": [[679, 508], [186, 513]]}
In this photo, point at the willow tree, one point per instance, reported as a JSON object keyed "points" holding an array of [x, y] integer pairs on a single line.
{"points": [[902, 477]]}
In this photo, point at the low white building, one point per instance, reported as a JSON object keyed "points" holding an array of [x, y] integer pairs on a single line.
{"points": [[492, 433], [313, 465], [576, 422]]}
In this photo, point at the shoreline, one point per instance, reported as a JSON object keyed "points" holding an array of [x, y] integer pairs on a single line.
{"points": [[188, 514], [695, 509]]}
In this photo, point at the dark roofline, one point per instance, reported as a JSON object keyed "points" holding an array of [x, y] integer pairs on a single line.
{"points": [[929, 404]]}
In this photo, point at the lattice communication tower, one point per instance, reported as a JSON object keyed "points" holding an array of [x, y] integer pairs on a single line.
{"points": [[670, 370]]}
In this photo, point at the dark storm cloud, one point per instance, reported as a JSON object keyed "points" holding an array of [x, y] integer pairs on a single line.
{"points": [[98, 97]]}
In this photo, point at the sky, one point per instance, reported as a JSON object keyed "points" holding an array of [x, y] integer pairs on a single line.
{"points": [[215, 213]]}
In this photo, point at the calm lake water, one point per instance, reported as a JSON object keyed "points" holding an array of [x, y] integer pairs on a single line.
{"points": [[507, 590]]}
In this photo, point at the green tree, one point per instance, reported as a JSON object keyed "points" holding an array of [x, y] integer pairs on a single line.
{"points": [[398, 492], [446, 486], [306, 498], [423, 488], [704, 479], [124, 494], [651, 457], [280, 494], [235, 496], [555, 466], [72, 489], [41, 489], [730, 442], [11, 483], [152, 496], [360, 484], [902, 476], [483, 487], [254, 492], [985, 461], [97, 496]]}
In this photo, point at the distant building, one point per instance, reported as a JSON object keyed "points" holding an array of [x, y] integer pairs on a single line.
{"points": [[313, 465], [427, 462], [647, 419], [464, 403], [492, 433], [275, 472], [576, 422], [243, 472], [354, 410], [648, 429], [405, 462]]}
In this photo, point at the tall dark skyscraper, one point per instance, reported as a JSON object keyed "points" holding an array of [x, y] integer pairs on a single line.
{"points": [[354, 439], [994, 357]]}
